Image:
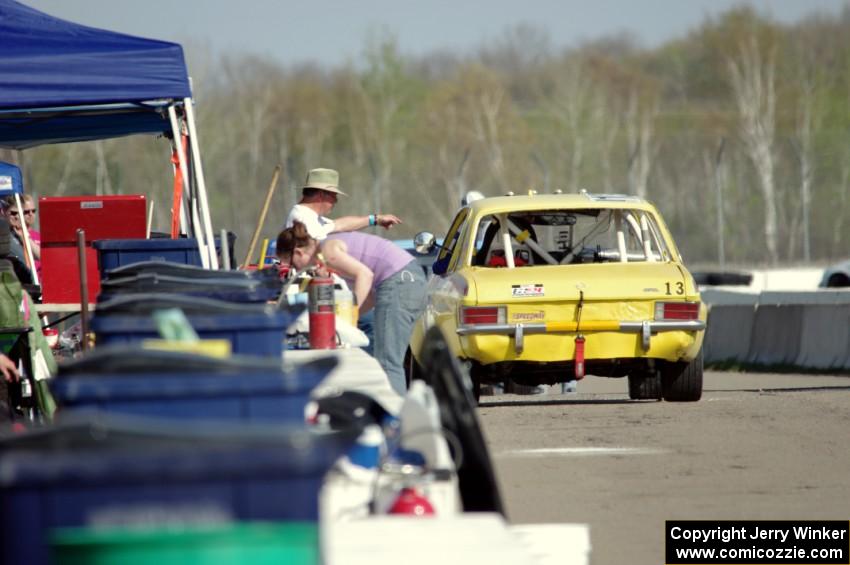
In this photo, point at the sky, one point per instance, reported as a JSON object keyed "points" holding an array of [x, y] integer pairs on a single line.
{"points": [[333, 32]]}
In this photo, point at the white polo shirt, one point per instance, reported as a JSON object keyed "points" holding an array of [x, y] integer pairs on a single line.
{"points": [[317, 226]]}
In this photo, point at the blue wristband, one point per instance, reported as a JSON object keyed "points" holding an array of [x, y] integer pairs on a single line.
{"points": [[373, 220]]}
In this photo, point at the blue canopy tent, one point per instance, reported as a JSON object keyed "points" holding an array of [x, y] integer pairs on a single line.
{"points": [[10, 179], [64, 82]]}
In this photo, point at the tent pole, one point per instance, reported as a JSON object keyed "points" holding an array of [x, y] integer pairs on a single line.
{"points": [[181, 157], [184, 211], [30, 258], [199, 177]]}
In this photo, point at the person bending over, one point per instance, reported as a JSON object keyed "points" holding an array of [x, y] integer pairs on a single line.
{"points": [[379, 273]]}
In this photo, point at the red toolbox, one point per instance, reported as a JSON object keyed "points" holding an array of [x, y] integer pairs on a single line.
{"points": [[102, 217]]}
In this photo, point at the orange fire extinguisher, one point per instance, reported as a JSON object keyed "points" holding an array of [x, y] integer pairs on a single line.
{"points": [[322, 316]]}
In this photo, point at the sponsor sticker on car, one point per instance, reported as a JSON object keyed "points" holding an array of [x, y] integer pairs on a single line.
{"points": [[526, 290], [524, 317]]}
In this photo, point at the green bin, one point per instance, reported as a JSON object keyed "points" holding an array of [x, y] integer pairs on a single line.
{"points": [[293, 543]]}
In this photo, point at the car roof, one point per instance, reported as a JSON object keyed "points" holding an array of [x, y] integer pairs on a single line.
{"points": [[583, 200]]}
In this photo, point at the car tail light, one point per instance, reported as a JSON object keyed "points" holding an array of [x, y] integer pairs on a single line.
{"points": [[676, 310], [471, 315]]}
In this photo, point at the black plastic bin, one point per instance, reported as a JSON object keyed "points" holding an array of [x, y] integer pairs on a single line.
{"points": [[252, 329], [224, 287], [128, 380], [268, 276], [112, 474]]}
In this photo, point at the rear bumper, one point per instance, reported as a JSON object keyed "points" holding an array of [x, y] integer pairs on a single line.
{"points": [[646, 329]]}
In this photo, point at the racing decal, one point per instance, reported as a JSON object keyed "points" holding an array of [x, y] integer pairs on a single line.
{"points": [[525, 290], [522, 317]]}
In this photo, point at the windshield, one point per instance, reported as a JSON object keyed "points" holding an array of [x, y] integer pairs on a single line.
{"points": [[568, 237]]}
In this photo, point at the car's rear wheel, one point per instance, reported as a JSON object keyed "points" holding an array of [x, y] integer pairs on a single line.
{"points": [[682, 382], [412, 368], [645, 385], [476, 371], [838, 280]]}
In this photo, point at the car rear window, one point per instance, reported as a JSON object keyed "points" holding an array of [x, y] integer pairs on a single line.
{"points": [[568, 237]]}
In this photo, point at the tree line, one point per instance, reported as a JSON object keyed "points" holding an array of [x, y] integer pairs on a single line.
{"points": [[737, 131]]}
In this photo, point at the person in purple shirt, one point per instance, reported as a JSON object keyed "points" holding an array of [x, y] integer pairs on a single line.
{"points": [[380, 274]]}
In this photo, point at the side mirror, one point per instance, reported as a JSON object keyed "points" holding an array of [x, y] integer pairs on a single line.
{"points": [[424, 242]]}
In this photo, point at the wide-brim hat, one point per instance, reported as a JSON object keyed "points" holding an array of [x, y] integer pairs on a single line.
{"points": [[324, 179]]}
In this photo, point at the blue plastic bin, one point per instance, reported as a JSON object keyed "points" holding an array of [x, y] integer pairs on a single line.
{"points": [[261, 395], [155, 474], [114, 253], [252, 329]]}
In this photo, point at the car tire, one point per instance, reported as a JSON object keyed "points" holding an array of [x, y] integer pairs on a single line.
{"points": [[645, 385], [838, 280], [682, 382], [476, 475], [475, 373], [412, 368]]}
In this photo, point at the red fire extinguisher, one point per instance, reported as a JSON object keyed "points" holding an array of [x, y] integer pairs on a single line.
{"points": [[579, 362], [411, 501], [322, 316]]}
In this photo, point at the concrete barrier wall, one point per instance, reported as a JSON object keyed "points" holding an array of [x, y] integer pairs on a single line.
{"points": [[808, 330], [775, 338], [727, 338], [825, 337]]}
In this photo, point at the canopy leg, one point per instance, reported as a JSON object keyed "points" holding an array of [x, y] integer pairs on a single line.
{"points": [[199, 177], [181, 157]]}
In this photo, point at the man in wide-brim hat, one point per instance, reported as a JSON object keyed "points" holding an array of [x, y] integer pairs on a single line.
{"points": [[318, 197]]}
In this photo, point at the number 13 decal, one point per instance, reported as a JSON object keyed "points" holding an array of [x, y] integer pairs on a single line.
{"points": [[679, 286]]}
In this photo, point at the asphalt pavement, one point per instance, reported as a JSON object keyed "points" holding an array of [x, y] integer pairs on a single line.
{"points": [[757, 446]]}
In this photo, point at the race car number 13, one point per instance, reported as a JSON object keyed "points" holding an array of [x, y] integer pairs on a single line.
{"points": [[680, 288]]}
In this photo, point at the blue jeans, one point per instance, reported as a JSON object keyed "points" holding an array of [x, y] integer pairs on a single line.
{"points": [[366, 324], [399, 301]]}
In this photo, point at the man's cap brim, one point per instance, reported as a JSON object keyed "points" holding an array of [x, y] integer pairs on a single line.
{"points": [[326, 187]]}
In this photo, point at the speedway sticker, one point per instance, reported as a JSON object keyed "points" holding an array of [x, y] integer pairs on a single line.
{"points": [[520, 317], [524, 290]]}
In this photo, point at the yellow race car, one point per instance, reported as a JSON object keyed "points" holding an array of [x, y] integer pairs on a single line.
{"points": [[542, 289]]}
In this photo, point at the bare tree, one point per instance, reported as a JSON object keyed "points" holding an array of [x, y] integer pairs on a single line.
{"points": [[572, 94], [446, 133], [379, 97], [715, 170], [804, 150], [809, 117], [104, 181], [70, 161], [753, 84], [838, 241], [639, 132], [485, 112], [608, 127], [452, 176]]}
